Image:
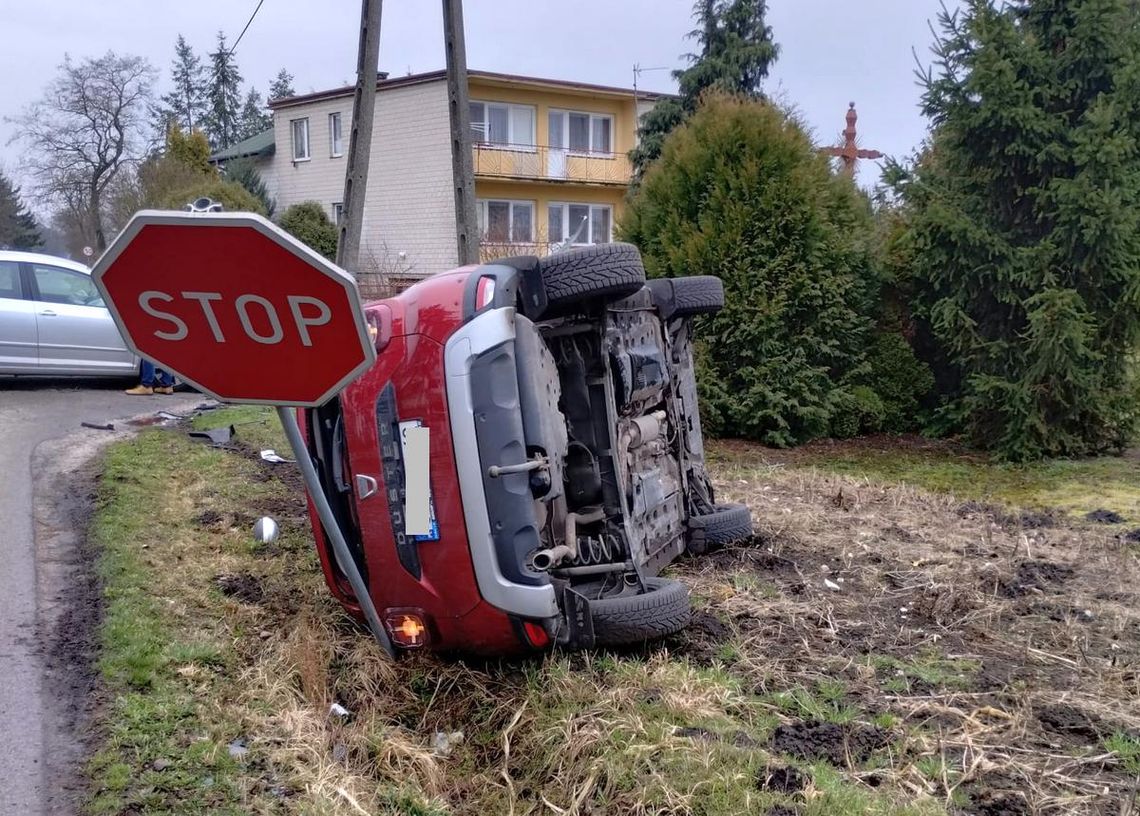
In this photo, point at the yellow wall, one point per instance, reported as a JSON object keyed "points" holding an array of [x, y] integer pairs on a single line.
{"points": [[544, 194]]}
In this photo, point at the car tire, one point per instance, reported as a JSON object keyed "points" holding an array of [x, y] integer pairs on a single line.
{"points": [[626, 620], [726, 524], [685, 297], [602, 272]]}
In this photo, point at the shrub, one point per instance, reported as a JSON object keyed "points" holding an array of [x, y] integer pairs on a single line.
{"points": [[231, 195], [899, 379], [308, 223], [740, 192]]}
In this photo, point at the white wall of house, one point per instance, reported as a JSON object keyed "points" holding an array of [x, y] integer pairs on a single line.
{"points": [[409, 206]]}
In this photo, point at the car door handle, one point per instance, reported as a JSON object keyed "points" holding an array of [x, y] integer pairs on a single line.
{"points": [[47, 313], [365, 486]]}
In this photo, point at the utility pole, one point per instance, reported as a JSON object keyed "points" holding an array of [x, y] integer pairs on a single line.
{"points": [[360, 138], [459, 110]]}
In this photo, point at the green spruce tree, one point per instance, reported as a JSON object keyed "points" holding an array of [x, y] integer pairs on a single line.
{"points": [[1022, 224], [254, 118], [736, 51], [282, 85], [244, 172], [186, 104], [224, 97], [18, 228]]}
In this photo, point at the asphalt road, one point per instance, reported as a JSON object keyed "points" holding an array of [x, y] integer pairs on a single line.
{"points": [[40, 423]]}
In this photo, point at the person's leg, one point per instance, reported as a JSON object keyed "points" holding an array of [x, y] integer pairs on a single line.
{"points": [[146, 380], [164, 382]]}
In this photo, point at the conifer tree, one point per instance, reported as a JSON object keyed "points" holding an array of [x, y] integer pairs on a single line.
{"points": [[224, 97]]}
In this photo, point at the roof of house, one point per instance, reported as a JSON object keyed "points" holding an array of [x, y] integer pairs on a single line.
{"points": [[261, 144], [384, 82]]}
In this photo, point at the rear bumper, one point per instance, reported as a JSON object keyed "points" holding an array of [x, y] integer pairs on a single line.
{"points": [[486, 331]]}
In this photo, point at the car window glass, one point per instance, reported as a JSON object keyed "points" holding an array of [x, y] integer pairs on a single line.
{"points": [[9, 279], [58, 285]]}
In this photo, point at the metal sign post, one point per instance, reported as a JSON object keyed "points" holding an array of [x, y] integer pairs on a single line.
{"points": [[332, 528]]}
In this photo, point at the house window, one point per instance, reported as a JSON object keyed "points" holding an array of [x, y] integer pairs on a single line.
{"points": [[300, 139], [581, 132], [337, 212], [506, 222], [501, 124], [336, 136], [580, 223]]}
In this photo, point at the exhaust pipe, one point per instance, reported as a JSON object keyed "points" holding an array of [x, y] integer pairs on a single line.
{"points": [[552, 557]]}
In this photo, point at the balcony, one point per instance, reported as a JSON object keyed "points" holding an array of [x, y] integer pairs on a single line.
{"points": [[544, 163]]}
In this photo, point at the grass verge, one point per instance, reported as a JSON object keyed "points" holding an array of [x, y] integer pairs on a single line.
{"points": [[220, 660]]}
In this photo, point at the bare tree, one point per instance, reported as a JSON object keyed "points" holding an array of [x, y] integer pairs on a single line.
{"points": [[89, 125]]}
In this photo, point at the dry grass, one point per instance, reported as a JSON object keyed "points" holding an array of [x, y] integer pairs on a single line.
{"points": [[954, 670]]}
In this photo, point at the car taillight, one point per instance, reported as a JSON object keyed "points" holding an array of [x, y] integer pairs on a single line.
{"points": [[536, 635], [379, 325], [406, 627], [485, 291]]}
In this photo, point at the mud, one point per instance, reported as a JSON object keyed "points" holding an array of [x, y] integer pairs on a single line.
{"points": [[243, 587], [780, 779], [1071, 723], [841, 745], [1034, 576], [1104, 517], [702, 640]]}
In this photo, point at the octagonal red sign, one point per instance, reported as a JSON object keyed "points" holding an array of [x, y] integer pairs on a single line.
{"points": [[235, 306]]}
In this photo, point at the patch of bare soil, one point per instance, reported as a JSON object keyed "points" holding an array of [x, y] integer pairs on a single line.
{"points": [[1007, 645], [243, 587], [842, 745]]}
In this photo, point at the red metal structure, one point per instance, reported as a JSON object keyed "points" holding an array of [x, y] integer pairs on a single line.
{"points": [[849, 151]]}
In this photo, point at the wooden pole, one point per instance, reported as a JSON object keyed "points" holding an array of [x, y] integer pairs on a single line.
{"points": [[360, 139], [459, 110]]}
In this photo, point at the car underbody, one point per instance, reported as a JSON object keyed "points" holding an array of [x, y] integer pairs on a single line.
{"points": [[568, 470]]}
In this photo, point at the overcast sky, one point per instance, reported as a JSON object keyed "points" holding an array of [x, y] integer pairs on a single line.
{"points": [[831, 51]]}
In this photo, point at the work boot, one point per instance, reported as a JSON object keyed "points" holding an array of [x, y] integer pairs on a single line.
{"points": [[164, 389], [142, 391]]}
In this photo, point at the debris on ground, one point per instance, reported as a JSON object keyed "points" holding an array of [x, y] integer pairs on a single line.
{"points": [[215, 436], [442, 742], [338, 711], [238, 749], [273, 457], [97, 426]]}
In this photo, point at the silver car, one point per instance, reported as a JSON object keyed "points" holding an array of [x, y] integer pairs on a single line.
{"points": [[53, 322]]}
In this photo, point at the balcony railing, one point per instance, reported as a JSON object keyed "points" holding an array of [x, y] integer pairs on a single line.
{"points": [[545, 163]]}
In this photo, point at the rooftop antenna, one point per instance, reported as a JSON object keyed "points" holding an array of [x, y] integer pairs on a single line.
{"points": [[638, 71]]}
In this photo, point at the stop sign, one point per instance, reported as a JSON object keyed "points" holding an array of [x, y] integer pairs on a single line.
{"points": [[235, 306]]}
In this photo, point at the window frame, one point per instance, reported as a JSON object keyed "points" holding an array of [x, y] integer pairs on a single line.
{"points": [[591, 151], [22, 290], [36, 294], [565, 206], [482, 218], [511, 143], [336, 135], [336, 208], [308, 139]]}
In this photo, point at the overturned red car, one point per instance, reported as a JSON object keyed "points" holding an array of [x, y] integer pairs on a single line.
{"points": [[566, 464]]}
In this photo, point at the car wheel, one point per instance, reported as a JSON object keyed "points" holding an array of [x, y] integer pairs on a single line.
{"points": [[623, 620], [684, 297], [726, 524], [602, 272]]}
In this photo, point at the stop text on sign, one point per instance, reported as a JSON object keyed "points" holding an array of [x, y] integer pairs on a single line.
{"points": [[260, 319]]}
